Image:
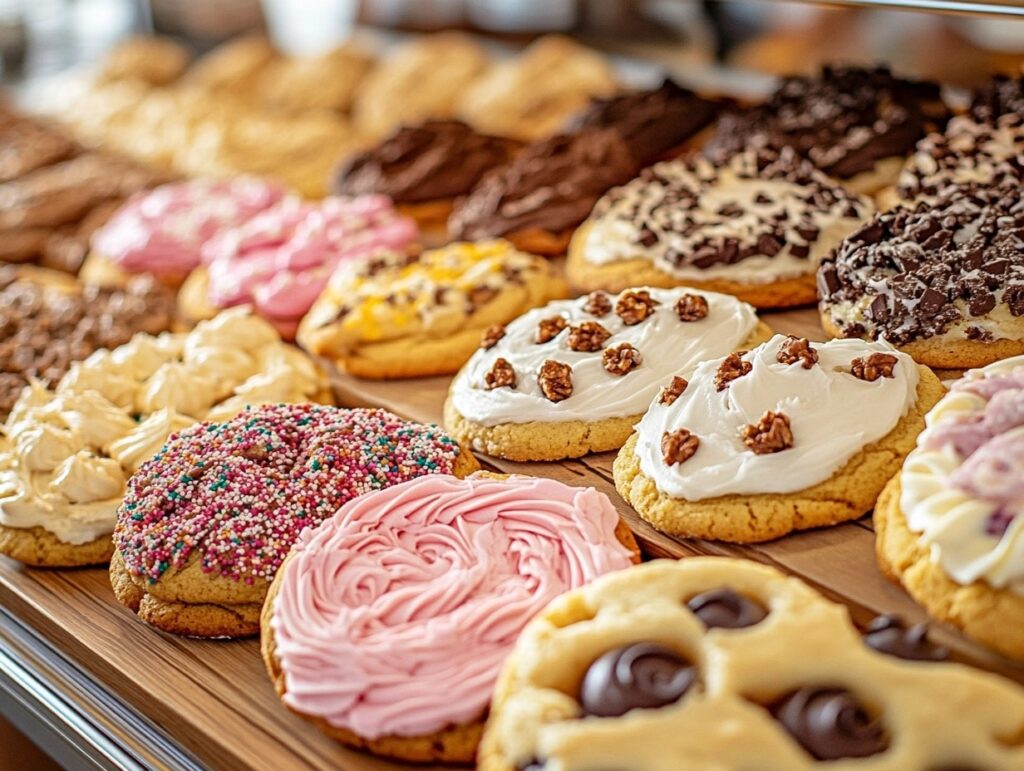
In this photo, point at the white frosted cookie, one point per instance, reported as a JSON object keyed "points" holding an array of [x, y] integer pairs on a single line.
{"points": [[951, 525], [789, 436], [574, 376], [726, 665], [754, 226]]}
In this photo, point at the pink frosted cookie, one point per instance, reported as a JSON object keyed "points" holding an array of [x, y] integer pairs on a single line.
{"points": [[388, 624], [162, 231], [280, 261]]}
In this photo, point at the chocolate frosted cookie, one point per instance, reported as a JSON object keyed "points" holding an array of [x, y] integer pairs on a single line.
{"points": [[714, 663], [854, 124], [944, 281], [754, 226], [1003, 96]]}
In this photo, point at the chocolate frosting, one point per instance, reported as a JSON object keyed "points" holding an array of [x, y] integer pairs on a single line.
{"points": [[551, 185], [638, 676], [433, 161], [830, 724], [843, 121], [725, 609], [889, 634], [651, 122], [1004, 95]]}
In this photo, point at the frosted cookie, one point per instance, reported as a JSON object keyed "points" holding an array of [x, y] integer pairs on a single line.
{"points": [[162, 231], [755, 227], [764, 443], [391, 316], [530, 96], [66, 453], [856, 125], [387, 625], [574, 376], [951, 525], [279, 261], [725, 664], [944, 281], [207, 521]]}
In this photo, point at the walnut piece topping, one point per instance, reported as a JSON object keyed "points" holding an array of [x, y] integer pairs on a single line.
{"points": [[598, 304], [691, 307], [588, 336], [673, 390], [678, 446], [732, 367], [873, 367], [492, 335], [634, 307], [548, 329], [480, 295], [771, 434], [501, 375], [621, 359], [797, 349], [555, 380]]}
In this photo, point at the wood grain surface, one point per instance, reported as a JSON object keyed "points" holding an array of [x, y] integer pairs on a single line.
{"points": [[214, 697]]}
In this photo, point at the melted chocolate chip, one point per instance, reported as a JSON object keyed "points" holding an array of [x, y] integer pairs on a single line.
{"points": [[639, 676], [726, 609], [831, 724], [889, 634]]}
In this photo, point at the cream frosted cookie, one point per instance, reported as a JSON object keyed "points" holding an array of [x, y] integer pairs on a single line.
{"points": [[388, 623], [761, 444], [755, 226], [574, 376], [391, 316], [713, 663], [944, 280], [951, 524], [66, 453]]}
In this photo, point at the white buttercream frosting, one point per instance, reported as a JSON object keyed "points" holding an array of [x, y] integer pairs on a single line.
{"points": [[667, 346], [832, 414]]}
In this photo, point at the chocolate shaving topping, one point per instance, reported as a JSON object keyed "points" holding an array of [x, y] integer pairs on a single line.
{"points": [[589, 336], [831, 724], [772, 433], [731, 368], [678, 446], [638, 676], [555, 380], [598, 304], [548, 329], [797, 349], [634, 307], [673, 390], [621, 359], [501, 375], [726, 609], [889, 634], [492, 335], [691, 307], [873, 366]]}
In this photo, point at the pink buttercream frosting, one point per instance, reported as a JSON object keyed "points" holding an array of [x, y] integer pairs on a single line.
{"points": [[281, 260], [162, 231], [394, 616]]}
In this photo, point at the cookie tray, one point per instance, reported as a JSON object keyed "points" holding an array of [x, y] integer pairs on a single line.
{"points": [[102, 690]]}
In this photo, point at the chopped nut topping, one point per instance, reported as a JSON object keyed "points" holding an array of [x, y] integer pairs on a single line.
{"points": [[732, 367], [598, 304], [492, 335], [691, 307], [673, 390], [634, 307], [797, 349], [481, 295], [549, 328], [501, 375], [588, 336], [678, 446], [771, 434], [621, 359], [555, 380], [873, 367]]}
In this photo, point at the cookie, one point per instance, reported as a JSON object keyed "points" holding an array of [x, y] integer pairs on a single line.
{"points": [[66, 453], [944, 280], [162, 231], [1004, 95], [854, 124], [326, 81], [280, 260], [755, 226], [393, 316], [574, 376], [156, 61], [457, 568], [950, 526], [233, 66], [731, 665], [761, 444], [208, 520]]}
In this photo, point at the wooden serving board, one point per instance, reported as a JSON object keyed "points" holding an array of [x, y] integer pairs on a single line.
{"points": [[215, 699]]}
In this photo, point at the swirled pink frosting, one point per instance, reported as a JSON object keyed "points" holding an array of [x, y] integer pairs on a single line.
{"points": [[281, 260], [162, 231], [394, 616]]}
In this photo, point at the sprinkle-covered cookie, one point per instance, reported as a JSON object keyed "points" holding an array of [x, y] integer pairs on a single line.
{"points": [[730, 665], [208, 520]]}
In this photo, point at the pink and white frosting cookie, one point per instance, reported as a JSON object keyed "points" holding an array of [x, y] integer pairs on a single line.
{"points": [[281, 260], [393, 617], [162, 231]]}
